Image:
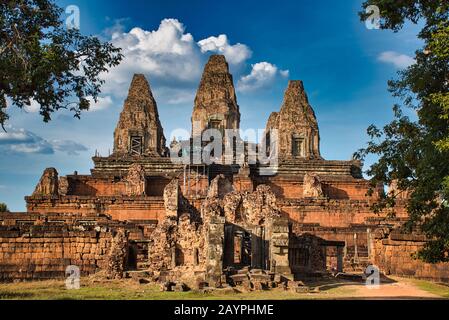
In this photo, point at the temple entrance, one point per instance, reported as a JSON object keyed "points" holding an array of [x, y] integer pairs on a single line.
{"points": [[297, 147], [238, 247], [132, 256], [242, 249]]}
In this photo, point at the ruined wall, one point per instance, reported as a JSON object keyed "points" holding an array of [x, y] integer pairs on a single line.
{"points": [[393, 254], [344, 189], [133, 183], [44, 252], [178, 251], [88, 186], [334, 213], [306, 253]]}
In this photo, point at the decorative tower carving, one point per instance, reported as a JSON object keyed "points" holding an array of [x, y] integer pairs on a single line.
{"points": [[216, 103], [139, 131], [48, 184], [297, 125]]}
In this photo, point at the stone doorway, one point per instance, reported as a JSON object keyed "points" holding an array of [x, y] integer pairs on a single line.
{"points": [[131, 263], [238, 248]]}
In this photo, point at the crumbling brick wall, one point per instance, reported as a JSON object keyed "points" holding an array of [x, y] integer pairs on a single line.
{"points": [[393, 254], [44, 252]]}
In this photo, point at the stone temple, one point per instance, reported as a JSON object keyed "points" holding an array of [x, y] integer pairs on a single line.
{"points": [[209, 225]]}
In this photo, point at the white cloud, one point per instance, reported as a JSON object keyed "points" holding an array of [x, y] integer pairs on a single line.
{"points": [[285, 73], [262, 74], [171, 60], [400, 61], [24, 141], [168, 56], [235, 54], [70, 147], [33, 107], [101, 104]]}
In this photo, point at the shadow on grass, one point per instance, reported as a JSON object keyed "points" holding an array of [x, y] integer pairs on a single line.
{"points": [[15, 295], [329, 283]]}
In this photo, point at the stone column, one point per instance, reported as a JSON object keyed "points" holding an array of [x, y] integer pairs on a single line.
{"points": [[173, 257], [172, 198], [369, 241], [340, 259], [279, 242], [356, 251], [256, 248], [215, 243]]}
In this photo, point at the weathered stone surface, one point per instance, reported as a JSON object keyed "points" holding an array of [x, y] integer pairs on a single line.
{"points": [[48, 184], [396, 192], [279, 246], [296, 124], [139, 121], [117, 255], [216, 103], [178, 247], [219, 187], [312, 186], [63, 186], [251, 208], [172, 198], [135, 181]]}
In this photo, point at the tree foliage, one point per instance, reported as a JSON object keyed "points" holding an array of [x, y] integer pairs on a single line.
{"points": [[415, 154], [3, 207], [42, 60]]}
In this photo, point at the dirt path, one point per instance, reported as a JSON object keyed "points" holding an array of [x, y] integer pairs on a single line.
{"points": [[402, 289]]}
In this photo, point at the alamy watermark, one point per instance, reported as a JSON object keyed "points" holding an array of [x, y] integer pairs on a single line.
{"points": [[373, 20], [372, 277], [73, 278], [74, 18], [226, 147]]}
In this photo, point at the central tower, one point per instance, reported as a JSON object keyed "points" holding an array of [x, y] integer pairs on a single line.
{"points": [[215, 102]]}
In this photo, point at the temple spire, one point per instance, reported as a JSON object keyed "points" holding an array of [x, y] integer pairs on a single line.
{"points": [[297, 125], [139, 131], [216, 103]]}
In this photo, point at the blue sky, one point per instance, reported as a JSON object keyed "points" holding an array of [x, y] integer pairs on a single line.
{"points": [[345, 68]]}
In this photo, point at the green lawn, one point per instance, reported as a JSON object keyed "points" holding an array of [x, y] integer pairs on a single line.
{"points": [[438, 289], [129, 290]]}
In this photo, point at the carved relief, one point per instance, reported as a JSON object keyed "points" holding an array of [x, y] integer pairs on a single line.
{"points": [[135, 181], [296, 124], [139, 131], [172, 198], [216, 102], [48, 184], [312, 186]]}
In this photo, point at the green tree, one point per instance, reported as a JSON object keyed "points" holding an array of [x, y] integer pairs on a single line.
{"points": [[3, 207], [415, 154], [43, 60]]}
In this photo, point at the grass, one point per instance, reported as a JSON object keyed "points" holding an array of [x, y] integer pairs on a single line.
{"points": [[94, 289], [129, 290], [441, 290]]}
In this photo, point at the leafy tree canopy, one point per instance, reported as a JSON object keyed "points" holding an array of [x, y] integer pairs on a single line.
{"points": [[43, 60], [3, 207], [415, 154]]}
